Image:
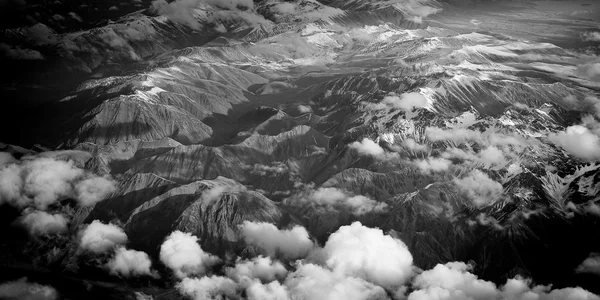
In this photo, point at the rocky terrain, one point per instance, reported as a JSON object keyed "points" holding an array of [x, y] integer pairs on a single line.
{"points": [[206, 118]]}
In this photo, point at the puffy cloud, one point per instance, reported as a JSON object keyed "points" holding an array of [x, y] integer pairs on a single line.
{"points": [[208, 288], [406, 102], [492, 156], [42, 223], [589, 70], [262, 268], [480, 188], [578, 141], [433, 164], [99, 238], [270, 291], [181, 253], [590, 265], [411, 144], [25, 290], [311, 281], [75, 17], [367, 147], [180, 11], [292, 243], [593, 36], [41, 181], [6, 158], [285, 8], [367, 253], [94, 189], [339, 199], [452, 281], [457, 135], [15, 52], [128, 263]]}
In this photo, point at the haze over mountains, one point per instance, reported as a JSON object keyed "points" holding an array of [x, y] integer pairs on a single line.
{"points": [[344, 149]]}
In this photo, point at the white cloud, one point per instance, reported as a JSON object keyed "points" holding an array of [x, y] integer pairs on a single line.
{"points": [[590, 265], [181, 253], [40, 181], [480, 188], [262, 268], [15, 52], [6, 158], [433, 164], [285, 8], [367, 147], [406, 102], [457, 135], [411, 144], [208, 288], [340, 200], [25, 290], [492, 156], [452, 281], [589, 70], [593, 36], [42, 223], [291, 243], [367, 253], [94, 189], [578, 141], [311, 281], [129, 263], [99, 238], [270, 291]]}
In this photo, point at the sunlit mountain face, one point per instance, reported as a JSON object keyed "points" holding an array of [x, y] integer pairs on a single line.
{"points": [[339, 149]]}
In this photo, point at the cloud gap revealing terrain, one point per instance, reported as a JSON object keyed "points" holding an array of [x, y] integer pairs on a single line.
{"points": [[300, 149]]}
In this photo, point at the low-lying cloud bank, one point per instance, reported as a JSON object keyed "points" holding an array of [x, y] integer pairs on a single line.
{"points": [[26, 290], [357, 263], [40, 181], [338, 199]]}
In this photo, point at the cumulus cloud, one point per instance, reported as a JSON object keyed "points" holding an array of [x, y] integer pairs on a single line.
{"points": [[208, 288], [457, 135], [480, 188], [453, 281], [411, 144], [182, 11], [289, 243], [367, 253], [312, 281], [492, 156], [270, 291], [592, 36], [42, 223], [25, 290], [578, 141], [127, 263], [589, 70], [262, 268], [433, 164], [285, 8], [340, 200], [367, 147], [183, 255], [93, 190], [41, 181], [15, 52], [590, 265], [100, 238], [406, 102]]}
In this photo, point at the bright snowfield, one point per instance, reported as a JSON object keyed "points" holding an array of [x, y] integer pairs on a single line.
{"points": [[292, 150]]}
